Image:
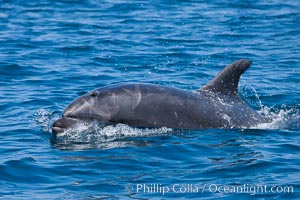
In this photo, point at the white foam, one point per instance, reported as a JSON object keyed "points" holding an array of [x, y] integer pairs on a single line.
{"points": [[94, 131], [283, 118]]}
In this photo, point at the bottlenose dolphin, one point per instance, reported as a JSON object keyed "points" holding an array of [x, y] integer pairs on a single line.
{"points": [[215, 105]]}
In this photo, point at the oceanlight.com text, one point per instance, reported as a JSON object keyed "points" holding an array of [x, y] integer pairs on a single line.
{"points": [[250, 189]]}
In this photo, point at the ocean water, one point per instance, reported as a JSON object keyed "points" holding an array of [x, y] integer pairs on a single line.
{"points": [[53, 51]]}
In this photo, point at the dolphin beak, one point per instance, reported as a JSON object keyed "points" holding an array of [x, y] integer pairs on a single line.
{"points": [[61, 125]]}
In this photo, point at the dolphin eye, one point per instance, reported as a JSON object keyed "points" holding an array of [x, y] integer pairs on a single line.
{"points": [[93, 94]]}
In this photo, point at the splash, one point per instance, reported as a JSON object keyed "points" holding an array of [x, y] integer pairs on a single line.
{"points": [[95, 131], [43, 118], [284, 117], [94, 135], [280, 117]]}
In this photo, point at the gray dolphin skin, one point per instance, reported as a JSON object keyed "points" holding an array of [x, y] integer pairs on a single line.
{"points": [[215, 105]]}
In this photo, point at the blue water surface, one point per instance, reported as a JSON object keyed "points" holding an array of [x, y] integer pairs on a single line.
{"points": [[53, 51]]}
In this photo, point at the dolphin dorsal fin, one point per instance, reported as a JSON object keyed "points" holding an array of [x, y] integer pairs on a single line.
{"points": [[226, 82]]}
